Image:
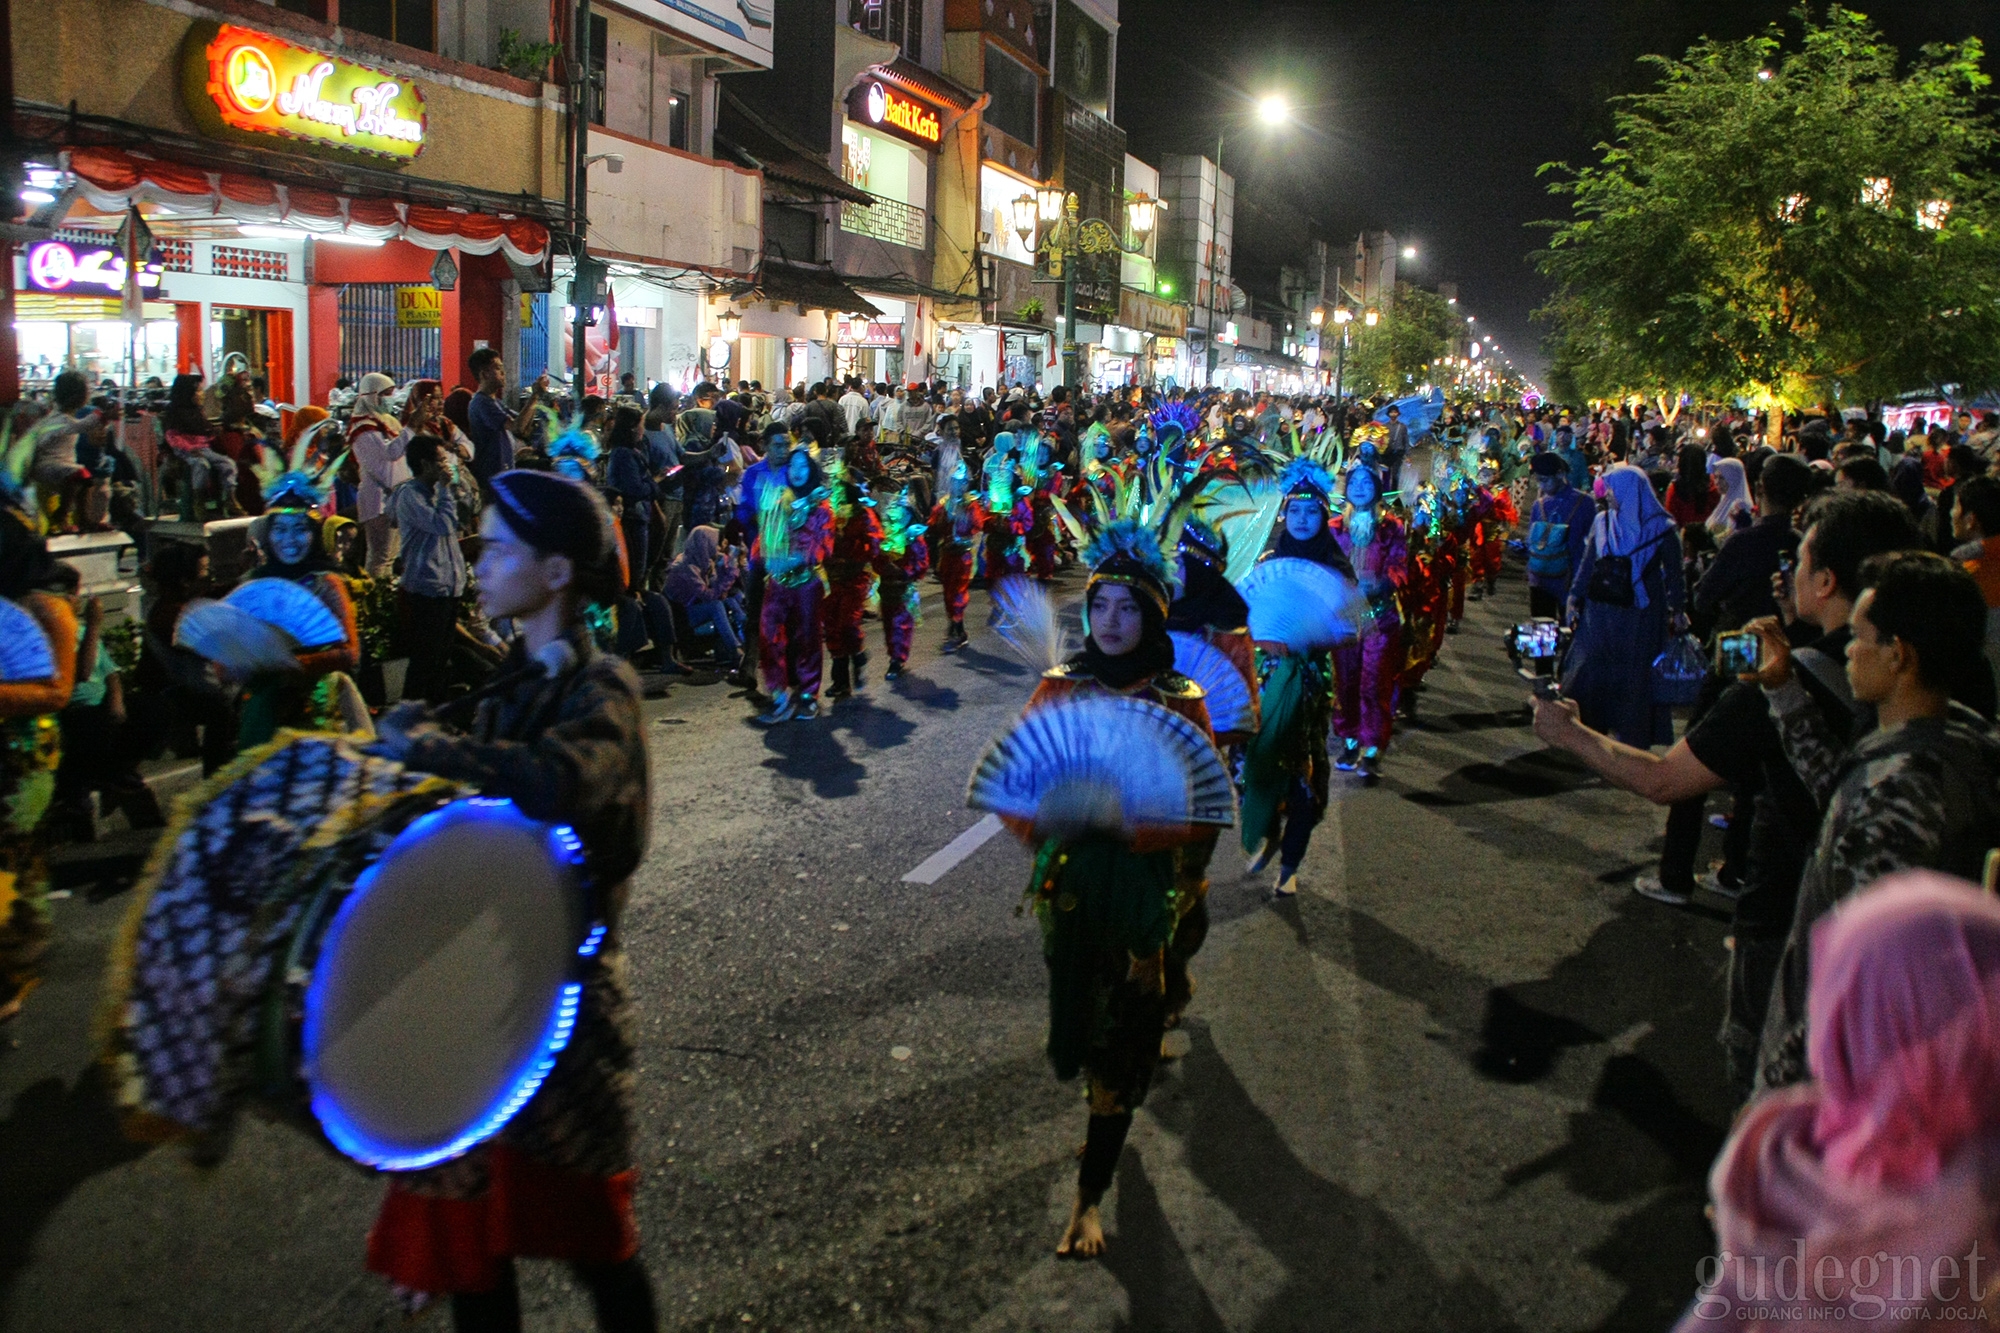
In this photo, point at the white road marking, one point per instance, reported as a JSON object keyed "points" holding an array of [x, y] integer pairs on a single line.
{"points": [[964, 845]]}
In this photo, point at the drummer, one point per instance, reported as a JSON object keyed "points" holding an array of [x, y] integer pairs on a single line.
{"points": [[29, 753], [562, 736], [288, 540]]}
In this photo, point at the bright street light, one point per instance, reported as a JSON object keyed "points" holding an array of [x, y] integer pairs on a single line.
{"points": [[1409, 252], [1273, 109]]}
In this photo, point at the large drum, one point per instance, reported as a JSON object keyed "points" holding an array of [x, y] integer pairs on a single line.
{"points": [[325, 931]]}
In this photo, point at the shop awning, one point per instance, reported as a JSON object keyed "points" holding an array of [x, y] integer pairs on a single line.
{"points": [[753, 140], [113, 180], [803, 284]]}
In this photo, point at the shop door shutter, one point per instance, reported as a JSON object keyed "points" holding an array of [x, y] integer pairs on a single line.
{"points": [[371, 340]]}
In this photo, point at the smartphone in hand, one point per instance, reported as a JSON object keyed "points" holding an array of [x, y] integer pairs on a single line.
{"points": [[1737, 654]]}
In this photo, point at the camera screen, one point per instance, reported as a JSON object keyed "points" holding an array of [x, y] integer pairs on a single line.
{"points": [[1736, 654], [1537, 639]]}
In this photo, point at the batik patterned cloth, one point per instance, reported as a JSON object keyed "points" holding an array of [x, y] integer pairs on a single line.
{"points": [[198, 985]]}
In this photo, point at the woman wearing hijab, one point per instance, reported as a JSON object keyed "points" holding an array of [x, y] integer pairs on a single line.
{"points": [[565, 740], [1110, 907], [1874, 1180], [1624, 603], [290, 540], [1734, 509], [1287, 775], [700, 582]]}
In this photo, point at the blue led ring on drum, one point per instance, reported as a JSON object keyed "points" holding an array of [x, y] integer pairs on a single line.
{"points": [[405, 984]]}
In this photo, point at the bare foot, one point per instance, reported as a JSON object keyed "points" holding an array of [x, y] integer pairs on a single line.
{"points": [[1085, 1237]]}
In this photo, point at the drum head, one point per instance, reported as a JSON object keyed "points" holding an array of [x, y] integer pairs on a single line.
{"points": [[445, 985]]}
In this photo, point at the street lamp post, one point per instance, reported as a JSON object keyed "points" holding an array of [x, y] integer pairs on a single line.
{"points": [[1341, 316], [1272, 110], [1067, 239]]}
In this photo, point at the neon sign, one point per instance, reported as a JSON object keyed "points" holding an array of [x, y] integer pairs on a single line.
{"points": [[54, 266], [884, 107], [252, 82]]}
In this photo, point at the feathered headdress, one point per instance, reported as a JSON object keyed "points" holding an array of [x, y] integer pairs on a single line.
{"points": [[1179, 415], [1303, 476], [572, 448], [1129, 552], [285, 483]]}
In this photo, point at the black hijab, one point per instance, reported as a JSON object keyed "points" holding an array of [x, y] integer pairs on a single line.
{"points": [[1209, 601], [1153, 655]]}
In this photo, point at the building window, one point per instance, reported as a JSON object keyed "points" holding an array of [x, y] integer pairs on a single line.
{"points": [[1016, 95], [791, 233], [885, 220], [898, 21], [410, 22]]}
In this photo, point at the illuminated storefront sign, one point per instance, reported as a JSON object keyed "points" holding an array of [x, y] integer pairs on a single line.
{"points": [[251, 82], [878, 105], [56, 266]]}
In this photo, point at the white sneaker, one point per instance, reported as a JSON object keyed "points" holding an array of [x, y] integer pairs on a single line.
{"points": [[1288, 884], [1649, 886], [1263, 856]]}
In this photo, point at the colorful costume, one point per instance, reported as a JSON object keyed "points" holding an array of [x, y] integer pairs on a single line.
{"points": [[1366, 672], [901, 560], [32, 738], [311, 696], [794, 536], [850, 578], [1111, 908], [1286, 772], [954, 527]]}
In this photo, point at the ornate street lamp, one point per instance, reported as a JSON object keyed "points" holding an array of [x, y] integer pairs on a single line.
{"points": [[1024, 219], [730, 326], [948, 339]]}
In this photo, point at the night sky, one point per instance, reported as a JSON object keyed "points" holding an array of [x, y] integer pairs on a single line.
{"points": [[1428, 117]]}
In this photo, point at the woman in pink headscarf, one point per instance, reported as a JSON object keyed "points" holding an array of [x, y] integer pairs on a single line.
{"points": [[1870, 1197]]}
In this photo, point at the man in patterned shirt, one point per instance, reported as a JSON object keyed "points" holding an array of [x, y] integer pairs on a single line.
{"points": [[1922, 789]]}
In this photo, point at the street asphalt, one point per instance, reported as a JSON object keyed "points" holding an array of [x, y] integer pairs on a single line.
{"points": [[1466, 1080]]}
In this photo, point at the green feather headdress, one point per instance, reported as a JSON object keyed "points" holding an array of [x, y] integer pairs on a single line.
{"points": [[1129, 552]]}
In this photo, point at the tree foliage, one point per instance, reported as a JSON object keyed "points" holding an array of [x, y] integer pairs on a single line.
{"points": [[1785, 221], [1396, 354]]}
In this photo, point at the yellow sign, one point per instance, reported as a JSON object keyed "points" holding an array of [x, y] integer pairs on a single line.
{"points": [[419, 308], [248, 81]]}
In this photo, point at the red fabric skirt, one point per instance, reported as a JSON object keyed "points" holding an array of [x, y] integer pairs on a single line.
{"points": [[529, 1211]]}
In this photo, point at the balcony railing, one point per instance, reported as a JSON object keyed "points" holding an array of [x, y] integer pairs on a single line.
{"points": [[888, 220]]}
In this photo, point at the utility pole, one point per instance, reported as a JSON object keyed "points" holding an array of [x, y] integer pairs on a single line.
{"points": [[583, 282]]}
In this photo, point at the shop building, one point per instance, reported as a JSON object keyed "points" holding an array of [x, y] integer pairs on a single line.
{"points": [[675, 220], [869, 155], [322, 201]]}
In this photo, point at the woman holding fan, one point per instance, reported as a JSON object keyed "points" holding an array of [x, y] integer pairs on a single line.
{"points": [[1110, 902]]}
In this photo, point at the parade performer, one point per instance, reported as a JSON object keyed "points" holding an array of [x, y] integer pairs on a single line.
{"points": [[954, 527], [794, 536], [1286, 770], [291, 540], [902, 559], [1457, 532], [1365, 672], [1004, 516], [567, 744], [1110, 907], [1494, 515], [1208, 605], [32, 578], [1424, 602], [1039, 542], [850, 578]]}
